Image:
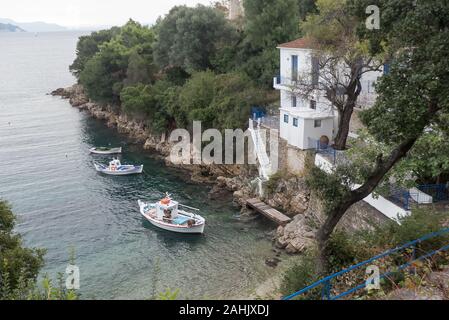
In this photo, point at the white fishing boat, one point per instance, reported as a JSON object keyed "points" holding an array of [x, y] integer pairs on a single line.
{"points": [[166, 214], [105, 150], [115, 168]]}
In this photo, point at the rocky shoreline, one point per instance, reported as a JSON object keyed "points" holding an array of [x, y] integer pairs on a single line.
{"points": [[286, 192], [139, 133]]}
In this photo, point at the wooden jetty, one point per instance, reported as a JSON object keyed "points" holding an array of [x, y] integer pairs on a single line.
{"points": [[267, 211]]}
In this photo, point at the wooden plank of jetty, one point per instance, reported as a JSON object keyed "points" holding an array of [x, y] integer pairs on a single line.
{"points": [[267, 211]]}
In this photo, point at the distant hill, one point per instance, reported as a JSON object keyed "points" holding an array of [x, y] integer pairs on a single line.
{"points": [[7, 27], [34, 26]]}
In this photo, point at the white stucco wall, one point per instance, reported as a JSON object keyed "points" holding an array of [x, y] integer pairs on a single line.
{"points": [[299, 137], [304, 62], [326, 129]]}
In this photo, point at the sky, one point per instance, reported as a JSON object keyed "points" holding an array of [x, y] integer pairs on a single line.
{"points": [[81, 13]]}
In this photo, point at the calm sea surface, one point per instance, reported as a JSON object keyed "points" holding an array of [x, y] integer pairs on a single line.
{"points": [[62, 203]]}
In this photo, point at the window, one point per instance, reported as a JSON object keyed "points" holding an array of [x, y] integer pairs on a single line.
{"points": [[315, 71], [286, 118], [313, 104], [317, 124], [294, 68], [294, 101], [295, 122]]}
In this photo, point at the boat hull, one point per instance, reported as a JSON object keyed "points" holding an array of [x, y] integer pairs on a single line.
{"points": [[197, 229], [192, 230], [124, 171], [111, 151]]}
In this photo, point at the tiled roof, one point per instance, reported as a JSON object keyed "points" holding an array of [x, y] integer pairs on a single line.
{"points": [[302, 43]]}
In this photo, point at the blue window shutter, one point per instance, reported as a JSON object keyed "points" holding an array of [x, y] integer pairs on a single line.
{"points": [[386, 68], [294, 68]]}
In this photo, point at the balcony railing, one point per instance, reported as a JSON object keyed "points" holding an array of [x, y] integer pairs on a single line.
{"points": [[283, 81]]}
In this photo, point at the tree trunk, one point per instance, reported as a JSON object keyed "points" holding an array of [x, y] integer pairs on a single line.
{"points": [[336, 214], [345, 115], [344, 122]]}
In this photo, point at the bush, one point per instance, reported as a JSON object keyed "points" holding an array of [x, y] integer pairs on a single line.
{"points": [[19, 266], [300, 276], [349, 249]]}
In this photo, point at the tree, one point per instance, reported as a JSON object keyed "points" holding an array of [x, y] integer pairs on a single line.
{"points": [[138, 70], [88, 46], [413, 99], [191, 37], [270, 23], [306, 7], [267, 24], [126, 59], [19, 266], [341, 58], [104, 74], [207, 95]]}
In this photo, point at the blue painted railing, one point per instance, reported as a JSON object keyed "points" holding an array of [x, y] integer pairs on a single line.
{"points": [[324, 149], [326, 284], [439, 192]]}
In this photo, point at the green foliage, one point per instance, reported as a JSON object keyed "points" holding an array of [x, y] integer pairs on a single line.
{"points": [[329, 187], [306, 7], [169, 295], [88, 46], [349, 249], [138, 99], [300, 276], [417, 84], [19, 266], [48, 291], [191, 37], [418, 78], [267, 24], [192, 65], [125, 59], [207, 95], [270, 23], [272, 184]]}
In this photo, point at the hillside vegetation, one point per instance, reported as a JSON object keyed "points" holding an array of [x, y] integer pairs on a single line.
{"points": [[193, 64]]}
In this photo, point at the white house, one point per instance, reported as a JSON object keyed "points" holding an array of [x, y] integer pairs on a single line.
{"points": [[304, 121]]}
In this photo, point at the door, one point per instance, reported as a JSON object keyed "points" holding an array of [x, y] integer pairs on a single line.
{"points": [[294, 68]]}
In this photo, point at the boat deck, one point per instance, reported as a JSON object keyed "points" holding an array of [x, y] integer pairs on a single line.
{"points": [[269, 212]]}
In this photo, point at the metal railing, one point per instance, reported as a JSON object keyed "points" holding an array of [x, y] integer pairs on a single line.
{"points": [[325, 283], [335, 156], [403, 198], [439, 192], [271, 122]]}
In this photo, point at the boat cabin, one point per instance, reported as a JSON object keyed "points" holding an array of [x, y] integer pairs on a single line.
{"points": [[114, 164], [167, 209]]}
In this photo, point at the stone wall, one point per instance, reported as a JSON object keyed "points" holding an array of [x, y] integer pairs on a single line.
{"points": [[290, 158]]}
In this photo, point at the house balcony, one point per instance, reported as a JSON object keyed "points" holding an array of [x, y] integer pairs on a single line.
{"points": [[283, 83]]}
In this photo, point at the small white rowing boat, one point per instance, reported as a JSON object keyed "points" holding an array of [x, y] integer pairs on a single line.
{"points": [[166, 215], [115, 168], [104, 150]]}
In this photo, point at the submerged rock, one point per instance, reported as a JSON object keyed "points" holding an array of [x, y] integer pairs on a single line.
{"points": [[272, 262]]}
